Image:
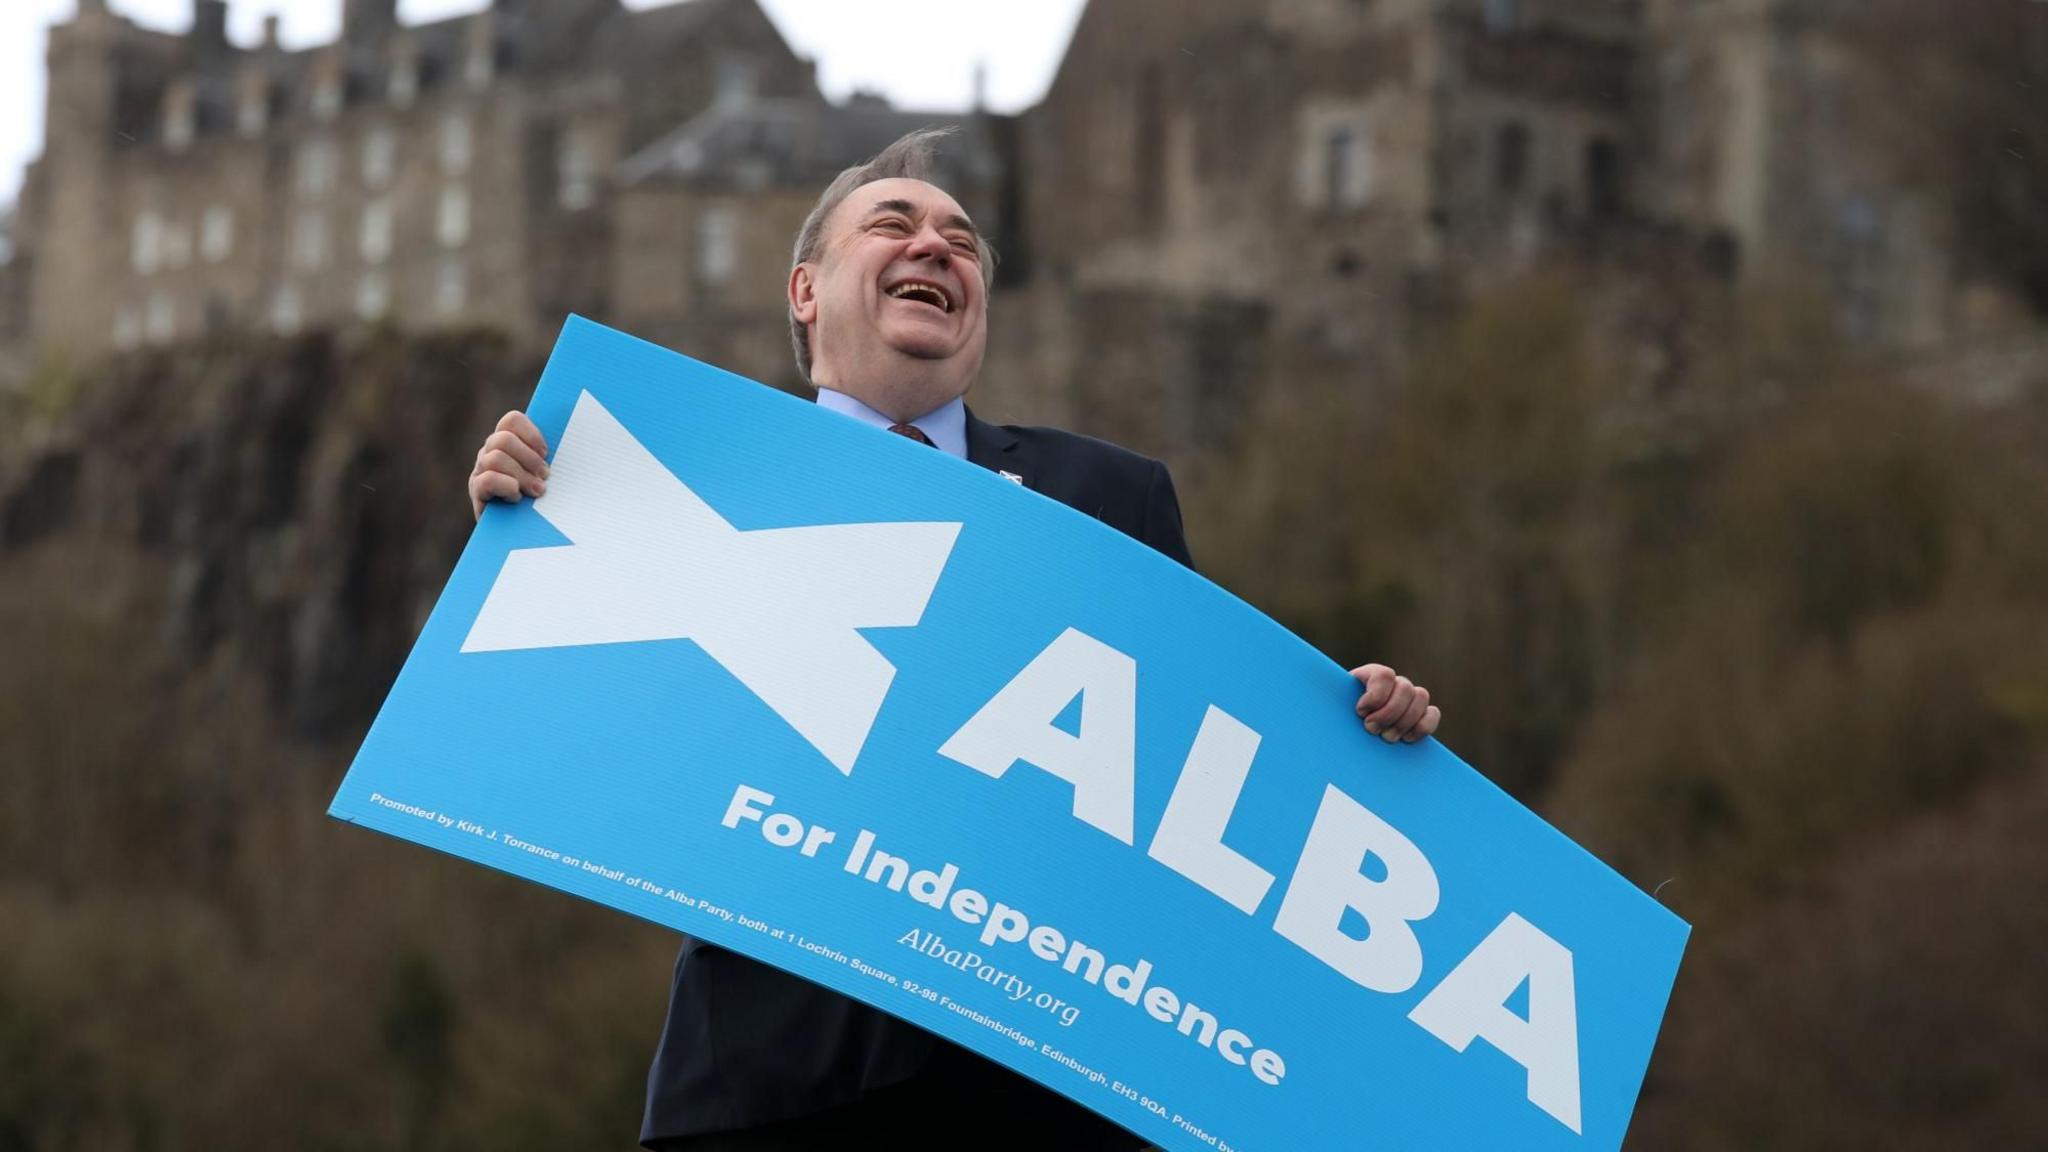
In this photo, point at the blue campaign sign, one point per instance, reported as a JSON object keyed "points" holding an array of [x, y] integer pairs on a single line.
{"points": [[871, 714]]}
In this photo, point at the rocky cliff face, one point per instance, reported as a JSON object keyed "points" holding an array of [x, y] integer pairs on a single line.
{"points": [[213, 561], [300, 502]]}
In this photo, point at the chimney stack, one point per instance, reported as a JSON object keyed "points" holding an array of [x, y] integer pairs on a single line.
{"points": [[210, 26], [368, 21], [270, 23]]}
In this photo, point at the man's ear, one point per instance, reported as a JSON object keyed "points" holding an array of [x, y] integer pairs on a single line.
{"points": [[803, 294]]}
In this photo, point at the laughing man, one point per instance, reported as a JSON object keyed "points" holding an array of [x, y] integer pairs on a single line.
{"points": [[888, 309]]}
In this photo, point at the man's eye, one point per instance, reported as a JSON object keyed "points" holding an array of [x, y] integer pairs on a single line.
{"points": [[896, 226], [964, 246]]}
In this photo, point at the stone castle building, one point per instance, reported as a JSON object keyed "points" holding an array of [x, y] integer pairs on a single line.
{"points": [[453, 172], [1274, 191], [1218, 192], [1214, 197]]}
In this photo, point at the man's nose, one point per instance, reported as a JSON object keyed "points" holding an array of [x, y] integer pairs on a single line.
{"points": [[928, 244]]}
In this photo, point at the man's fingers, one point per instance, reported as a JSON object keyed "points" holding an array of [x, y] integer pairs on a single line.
{"points": [[500, 463], [1394, 707], [1387, 715], [488, 486], [1431, 717], [497, 460], [519, 450], [517, 423], [512, 462], [1379, 684], [1403, 728]]}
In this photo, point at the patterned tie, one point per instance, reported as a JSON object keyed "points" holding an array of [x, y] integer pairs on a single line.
{"points": [[912, 432]]}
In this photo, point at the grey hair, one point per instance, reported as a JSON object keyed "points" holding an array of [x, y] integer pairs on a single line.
{"points": [[909, 158]]}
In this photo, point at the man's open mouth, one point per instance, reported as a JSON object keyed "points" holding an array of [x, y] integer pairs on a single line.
{"points": [[924, 292]]}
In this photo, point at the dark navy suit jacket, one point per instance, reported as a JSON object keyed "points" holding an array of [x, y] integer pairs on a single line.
{"points": [[747, 1045]]}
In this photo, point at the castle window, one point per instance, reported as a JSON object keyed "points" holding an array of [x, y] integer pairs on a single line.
{"points": [[404, 84], [718, 253], [1148, 154], [451, 223], [577, 171], [455, 150], [252, 111], [451, 287], [146, 252], [480, 64], [309, 242], [1511, 157], [160, 320], [287, 312], [380, 156], [327, 95], [316, 167], [217, 233], [1347, 169], [373, 296], [127, 329], [374, 236], [179, 117], [1858, 265], [1603, 179]]}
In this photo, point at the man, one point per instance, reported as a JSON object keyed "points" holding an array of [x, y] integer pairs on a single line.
{"points": [[888, 305]]}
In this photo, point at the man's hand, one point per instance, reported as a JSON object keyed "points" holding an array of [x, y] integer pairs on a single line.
{"points": [[1395, 708], [512, 462]]}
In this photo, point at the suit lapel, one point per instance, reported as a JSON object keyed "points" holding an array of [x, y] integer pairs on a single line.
{"points": [[995, 448]]}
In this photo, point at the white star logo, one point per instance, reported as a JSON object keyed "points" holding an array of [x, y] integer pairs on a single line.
{"points": [[779, 608]]}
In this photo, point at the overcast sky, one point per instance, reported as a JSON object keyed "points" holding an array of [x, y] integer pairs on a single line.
{"points": [[920, 53]]}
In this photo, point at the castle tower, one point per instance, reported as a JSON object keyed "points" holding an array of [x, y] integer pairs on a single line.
{"points": [[78, 235]]}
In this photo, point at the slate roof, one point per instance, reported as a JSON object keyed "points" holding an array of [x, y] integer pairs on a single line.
{"points": [[761, 143], [537, 37]]}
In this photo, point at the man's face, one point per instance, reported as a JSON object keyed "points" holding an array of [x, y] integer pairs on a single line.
{"points": [[897, 311]]}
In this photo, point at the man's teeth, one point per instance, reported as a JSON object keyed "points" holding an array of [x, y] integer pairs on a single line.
{"points": [[924, 292]]}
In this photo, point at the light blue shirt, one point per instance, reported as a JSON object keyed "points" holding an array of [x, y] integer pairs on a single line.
{"points": [[946, 425]]}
